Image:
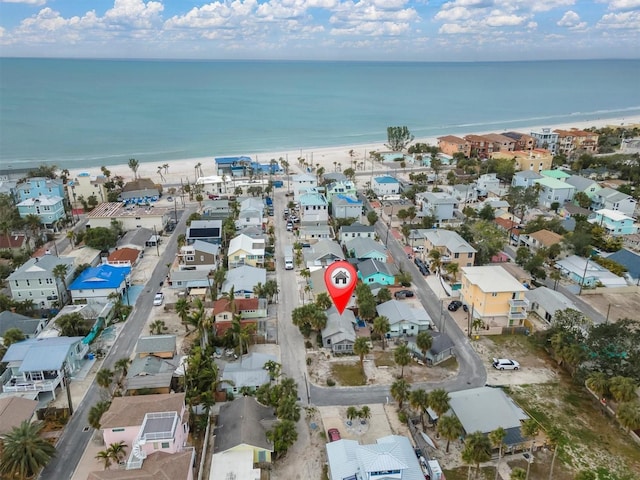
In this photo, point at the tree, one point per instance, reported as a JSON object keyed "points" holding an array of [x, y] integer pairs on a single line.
{"points": [[530, 428], [364, 414], [158, 327], [522, 199], [424, 341], [134, 165], [598, 382], [323, 301], [487, 213], [12, 335], [518, 474], [398, 138], [361, 348], [104, 377], [273, 368], [372, 217], [400, 390], [100, 238], [435, 258], [477, 449], [582, 199], [628, 414], [122, 367], [383, 295], [103, 457], [419, 400], [24, 452], [497, 440], [96, 412], [183, 308], [623, 389], [352, 412], [439, 401], [452, 268], [450, 428], [381, 327], [72, 325], [402, 357], [282, 436], [60, 272], [557, 440]]}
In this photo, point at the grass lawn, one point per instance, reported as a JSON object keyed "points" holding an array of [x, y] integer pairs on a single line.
{"points": [[384, 359], [461, 473], [348, 375], [449, 364]]}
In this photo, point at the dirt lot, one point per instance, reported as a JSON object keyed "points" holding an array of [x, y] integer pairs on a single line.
{"points": [[622, 304]]}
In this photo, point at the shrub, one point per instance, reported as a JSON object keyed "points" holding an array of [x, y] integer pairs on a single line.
{"points": [[402, 416], [307, 344], [331, 382], [308, 360]]}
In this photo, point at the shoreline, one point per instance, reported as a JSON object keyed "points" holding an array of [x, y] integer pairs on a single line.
{"points": [[328, 157]]}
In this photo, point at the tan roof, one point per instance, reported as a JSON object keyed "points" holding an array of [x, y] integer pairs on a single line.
{"points": [[451, 139], [124, 254], [242, 304], [157, 466], [574, 132], [130, 411], [139, 184], [546, 237], [476, 138], [13, 411]]}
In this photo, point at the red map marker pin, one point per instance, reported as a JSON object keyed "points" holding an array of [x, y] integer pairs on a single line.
{"points": [[340, 278]]}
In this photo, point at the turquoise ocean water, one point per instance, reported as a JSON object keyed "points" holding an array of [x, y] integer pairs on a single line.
{"points": [[83, 113]]}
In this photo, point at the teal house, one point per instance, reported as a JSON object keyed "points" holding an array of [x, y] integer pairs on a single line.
{"points": [[372, 271]]}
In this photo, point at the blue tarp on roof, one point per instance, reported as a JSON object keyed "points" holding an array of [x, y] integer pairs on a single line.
{"points": [[232, 160], [386, 179], [102, 276], [349, 199]]}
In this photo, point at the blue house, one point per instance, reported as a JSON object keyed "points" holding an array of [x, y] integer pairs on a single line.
{"points": [[614, 222], [629, 260], [50, 209], [95, 284], [385, 185], [40, 186], [373, 271], [232, 165]]}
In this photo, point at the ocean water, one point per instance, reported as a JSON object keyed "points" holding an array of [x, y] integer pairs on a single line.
{"points": [[82, 113]]}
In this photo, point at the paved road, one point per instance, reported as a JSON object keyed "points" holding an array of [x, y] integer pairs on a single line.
{"points": [[75, 438]]}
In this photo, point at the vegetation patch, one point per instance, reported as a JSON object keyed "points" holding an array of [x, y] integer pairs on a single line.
{"points": [[384, 359], [348, 375]]}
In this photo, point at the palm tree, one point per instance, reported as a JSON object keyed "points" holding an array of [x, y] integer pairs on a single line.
{"points": [[450, 428], [628, 414], [183, 307], [166, 167], [323, 301], [557, 439], [60, 273], [283, 434], [424, 341], [24, 452], [497, 439], [134, 165], [452, 269], [477, 449], [96, 412], [556, 276], [400, 390], [352, 412], [273, 368], [33, 223], [122, 366], [436, 260], [364, 414], [419, 400], [361, 348], [158, 327], [71, 236], [402, 356], [598, 383], [104, 377], [530, 428], [439, 401], [160, 173], [518, 474], [623, 389], [104, 457], [381, 327]]}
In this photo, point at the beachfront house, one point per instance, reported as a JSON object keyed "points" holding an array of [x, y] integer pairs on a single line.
{"points": [[575, 140], [439, 204], [40, 187], [523, 141], [34, 280], [481, 146], [313, 208], [346, 206], [49, 209], [140, 190], [86, 186], [493, 296], [131, 216], [501, 143], [232, 166], [451, 145], [554, 191], [385, 185], [303, 183], [245, 250], [614, 222], [339, 333], [611, 199], [546, 139]]}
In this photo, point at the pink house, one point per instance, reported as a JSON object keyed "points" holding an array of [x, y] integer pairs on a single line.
{"points": [[147, 424]]}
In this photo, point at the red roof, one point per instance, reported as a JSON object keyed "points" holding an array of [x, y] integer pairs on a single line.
{"points": [[12, 241], [124, 255], [222, 305], [506, 223]]}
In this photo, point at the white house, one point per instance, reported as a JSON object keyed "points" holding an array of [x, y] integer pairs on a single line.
{"points": [[301, 183], [403, 318], [356, 230], [346, 206], [385, 185], [611, 199], [251, 213], [525, 178], [554, 191], [486, 183], [313, 208], [322, 254], [131, 216], [439, 204]]}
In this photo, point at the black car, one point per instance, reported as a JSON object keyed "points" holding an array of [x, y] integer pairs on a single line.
{"points": [[454, 306], [424, 270], [403, 294]]}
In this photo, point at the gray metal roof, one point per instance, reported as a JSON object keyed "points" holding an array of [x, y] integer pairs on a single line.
{"points": [[26, 325], [206, 247], [363, 246], [550, 300], [37, 354], [579, 182], [528, 174], [151, 372], [137, 237], [249, 371], [397, 311], [244, 278], [341, 326], [357, 227], [40, 267], [322, 249], [243, 421], [372, 266], [156, 344]]}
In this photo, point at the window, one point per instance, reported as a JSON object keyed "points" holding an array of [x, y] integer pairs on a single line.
{"points": [[457, 255], [117, 429], [494, 294], [165, 445], [469, 255], [190, 258]]}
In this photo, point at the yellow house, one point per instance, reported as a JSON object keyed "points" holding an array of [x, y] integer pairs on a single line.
{"points": [[246, 250], [535, 160], [494, 296]]}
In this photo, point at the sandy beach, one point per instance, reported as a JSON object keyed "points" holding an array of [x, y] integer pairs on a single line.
{"points": [[183, 170]]}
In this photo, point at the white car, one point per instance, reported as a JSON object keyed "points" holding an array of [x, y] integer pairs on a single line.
{"points": [[158, 299], [505, 364]]}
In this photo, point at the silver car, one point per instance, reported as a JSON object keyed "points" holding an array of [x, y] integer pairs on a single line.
{"points": [[505, 364]]}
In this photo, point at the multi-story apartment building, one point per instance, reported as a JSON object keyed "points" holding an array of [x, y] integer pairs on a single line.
{"points": [[450, 145], [546, 139]]}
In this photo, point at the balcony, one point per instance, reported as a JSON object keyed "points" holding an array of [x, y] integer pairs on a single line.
{"points": [[48, 384], [517, 315], [519, 303]]}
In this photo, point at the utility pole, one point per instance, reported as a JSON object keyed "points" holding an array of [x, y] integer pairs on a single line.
{"points": [[157, 239], [67, 380]]}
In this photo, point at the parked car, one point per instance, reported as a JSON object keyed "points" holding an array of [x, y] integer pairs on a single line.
{"points": [[454, 306], [403, 294], [505, 364], [158, 299], [334, 434], [424, 270], [289, 227]]}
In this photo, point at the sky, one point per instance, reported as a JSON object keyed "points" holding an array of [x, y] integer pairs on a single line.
{"points": [[403, 30]]}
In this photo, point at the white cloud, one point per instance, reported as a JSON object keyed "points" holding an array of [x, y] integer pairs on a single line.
{"points": [[28, 2], [571, 20], [135, 13], [454, 28], [624, 4], [497, 19], [626, 20], [453, 14]]}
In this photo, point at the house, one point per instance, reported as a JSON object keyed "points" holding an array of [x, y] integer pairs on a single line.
{"points": [[124, 257], [322, 254], [95, 284], [9, 188], [614, 222], [541, 238], [556, 173], [385, 185], [500, 207], [189, 279], [438, 204], [315, 232], [200, 255], [50, 210], [585, 185], [546, 139], [86, 185], [247, 373], [158, 465], [140, 190], [487, 183], [151, 375], [232, 166], [15, 242], [131, 216], [340, 188], [356, 230], [554, 191], [251, 213], [404, 319], [450, 145], [303, 183], [30, 327], [243, 425], [13, 411], [249, 309], [611, 199], [244, 250], [332, 177], [242, 281], [391, 457], [525, 179], [206, 230], [365, 248], [38, 364], [481, 146], [162, 346], [346, 206], [533, 160], [253, 232], [587, 273], [442, 348], [546, 302], [215, 209], [629, 260], [575, 140], [314, 208], [147, 424], [234, 464], [485, 409], [94, 315], [138, 239], [501, 143], [523, 141], [36, 187], [452, 247], [339, 333], [375, 271], [493, 296], [35, 281], [464, 193], [213, 184]]}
